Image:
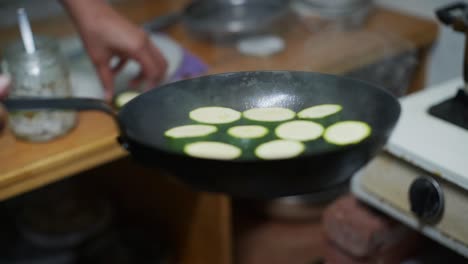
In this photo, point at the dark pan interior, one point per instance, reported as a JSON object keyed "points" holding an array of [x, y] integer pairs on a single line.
{"points": [[146, 118]]}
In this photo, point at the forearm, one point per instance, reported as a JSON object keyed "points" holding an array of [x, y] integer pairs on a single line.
{"points": [[85, 12], [3, 118], [81, 7]]}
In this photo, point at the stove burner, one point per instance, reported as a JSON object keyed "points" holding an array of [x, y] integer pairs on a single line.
{"points": [[453, 110]]}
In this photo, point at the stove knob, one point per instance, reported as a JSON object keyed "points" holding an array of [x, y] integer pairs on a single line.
{"points": [[426, 199]]}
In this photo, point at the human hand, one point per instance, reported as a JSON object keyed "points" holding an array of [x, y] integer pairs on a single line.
{"points": [[105, 34], [4, 85]]}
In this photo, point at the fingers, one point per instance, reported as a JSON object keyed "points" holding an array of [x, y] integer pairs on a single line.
{"points": [[159, 59], [5, 82], [137, 80], [153, 65], [117, 68], [3, 118], [107, 79]]}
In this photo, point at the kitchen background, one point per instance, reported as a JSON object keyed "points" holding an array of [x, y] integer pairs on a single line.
{"points": [[444, 64]]}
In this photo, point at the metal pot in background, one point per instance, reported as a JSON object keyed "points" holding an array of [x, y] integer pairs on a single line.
{"points": [[224, 20], [332, 15]]}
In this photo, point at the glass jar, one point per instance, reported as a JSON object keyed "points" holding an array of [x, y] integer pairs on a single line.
{"points": [[43, 73]]}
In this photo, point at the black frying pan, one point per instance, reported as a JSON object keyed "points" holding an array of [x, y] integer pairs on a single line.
{"points": [[143, 121]]}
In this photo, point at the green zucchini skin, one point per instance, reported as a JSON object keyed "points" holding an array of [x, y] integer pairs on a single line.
{"points": [[178, 143], [188, 131], [247, 132], [326, 120], [213, 115], [289, 130], [297, 146], [228, 152], [117, 100], [361, 129], [248, 145], [269, 124]]}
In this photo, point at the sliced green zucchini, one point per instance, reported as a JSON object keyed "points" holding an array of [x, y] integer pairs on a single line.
{"points": [[324, 114], [269, 114], [247, 137], [123, 98], [320, 111], [347, 132], [299, 130], [190, 131], [180, 136], [212, 150], [248, 132], [279, 149], [215, 115]]}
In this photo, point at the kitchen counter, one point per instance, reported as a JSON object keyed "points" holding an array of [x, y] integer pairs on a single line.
{"points": [[26, 166]]}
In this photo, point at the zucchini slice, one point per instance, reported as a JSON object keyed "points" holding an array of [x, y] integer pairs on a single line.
{"points": [[299, 130], [347, 132], [319, 111], [212, 150], [279, 149], [215, 115], [325, 114], [190, 131], [269, 114], [124, 97], [248, 132]]}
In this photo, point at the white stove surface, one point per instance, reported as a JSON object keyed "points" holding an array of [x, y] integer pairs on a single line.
{"points": [[429, 142]]}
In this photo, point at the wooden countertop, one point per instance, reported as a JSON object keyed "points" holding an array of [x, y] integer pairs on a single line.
{"points": [[25, 166]]}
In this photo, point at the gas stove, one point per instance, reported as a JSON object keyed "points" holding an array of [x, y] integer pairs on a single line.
{"points": [[421, 178]]}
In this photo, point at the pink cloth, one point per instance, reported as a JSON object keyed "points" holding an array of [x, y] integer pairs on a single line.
{"points": [[357, 234]]}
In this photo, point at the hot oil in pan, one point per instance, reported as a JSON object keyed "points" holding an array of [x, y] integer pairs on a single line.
{"points": [[248, 146]]}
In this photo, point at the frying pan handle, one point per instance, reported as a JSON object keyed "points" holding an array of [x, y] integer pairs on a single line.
{"points": [[447, 14], [456, 16], [79, 104], [162, 22]]}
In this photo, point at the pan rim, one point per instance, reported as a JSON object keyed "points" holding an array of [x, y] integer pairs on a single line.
{"points": [[352, 79]]}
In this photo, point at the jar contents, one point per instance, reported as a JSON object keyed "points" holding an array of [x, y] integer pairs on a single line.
{"points": [[43, 73]]}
